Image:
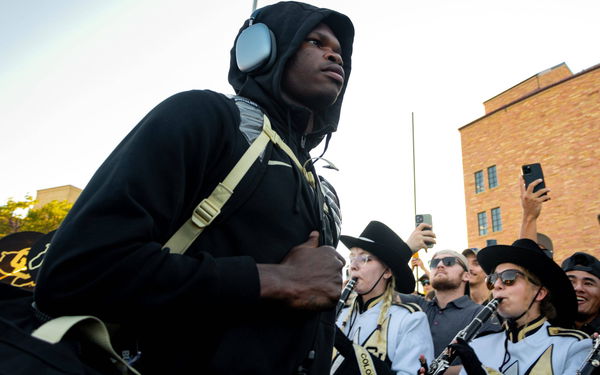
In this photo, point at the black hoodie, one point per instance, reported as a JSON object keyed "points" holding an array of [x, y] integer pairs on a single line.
{"points": [[107, 259]]}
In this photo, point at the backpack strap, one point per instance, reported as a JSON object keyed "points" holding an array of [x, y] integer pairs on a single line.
{"points": [[207, 210], [90, 328], [210, 207]]}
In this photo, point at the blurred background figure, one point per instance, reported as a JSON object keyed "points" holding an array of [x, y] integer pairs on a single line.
{"points": [[478, 290]]}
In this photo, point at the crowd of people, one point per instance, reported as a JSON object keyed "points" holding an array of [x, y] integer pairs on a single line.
{"points": [[209, 237], [546, 314]]}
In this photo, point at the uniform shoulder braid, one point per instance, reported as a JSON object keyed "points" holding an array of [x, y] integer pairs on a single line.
{"points": [[566, 332], [410, 306]]}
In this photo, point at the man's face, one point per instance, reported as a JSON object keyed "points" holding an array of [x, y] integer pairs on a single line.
{"points": [[587, 289], [477, 273], [314, 76], [447, 277], [516, 297]]}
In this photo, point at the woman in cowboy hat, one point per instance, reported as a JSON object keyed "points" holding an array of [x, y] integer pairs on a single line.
{"points": [[375, 327], [539, 306]]}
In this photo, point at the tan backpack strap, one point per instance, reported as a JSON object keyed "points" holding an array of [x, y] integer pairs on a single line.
{"points": [[276, 139], [211, 207], [90, 328]]}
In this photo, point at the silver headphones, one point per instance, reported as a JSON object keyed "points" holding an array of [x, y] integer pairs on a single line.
{"points": [[255, 48]]}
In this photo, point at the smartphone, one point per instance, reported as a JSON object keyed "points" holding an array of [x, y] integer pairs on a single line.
{"points": [[424, 218], [532, 172]]}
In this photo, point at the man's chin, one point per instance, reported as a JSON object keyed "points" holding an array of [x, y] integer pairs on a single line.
{"points": [[443, 285], [583, 316]]}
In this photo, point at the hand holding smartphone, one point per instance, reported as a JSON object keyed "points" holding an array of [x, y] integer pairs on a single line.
{"points": [[532, 172], [424, 218]]}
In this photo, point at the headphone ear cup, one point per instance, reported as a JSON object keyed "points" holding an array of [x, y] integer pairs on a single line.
{"points": [[255, 49]]}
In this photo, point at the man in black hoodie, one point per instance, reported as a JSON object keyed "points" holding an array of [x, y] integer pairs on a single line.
{"points": [[254, 293]]}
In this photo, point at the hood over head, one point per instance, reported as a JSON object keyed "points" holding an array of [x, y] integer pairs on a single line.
{"points": [[290, 23]]}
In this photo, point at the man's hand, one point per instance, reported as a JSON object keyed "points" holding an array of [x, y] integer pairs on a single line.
{"points": [[309, 277], [417, 262], [532, 207], [532, 202], [420, 237]]}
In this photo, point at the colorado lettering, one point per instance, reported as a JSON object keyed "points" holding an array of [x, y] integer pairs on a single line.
{"points": [[366, 364]]}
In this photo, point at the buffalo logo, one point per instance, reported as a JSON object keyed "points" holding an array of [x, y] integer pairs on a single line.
{"points": [[13, 268]]}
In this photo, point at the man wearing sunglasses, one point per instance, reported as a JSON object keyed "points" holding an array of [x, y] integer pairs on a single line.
{"points": [[584, 272], [537, 301], [451, 309]]}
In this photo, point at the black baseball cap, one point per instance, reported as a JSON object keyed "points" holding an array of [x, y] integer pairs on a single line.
{"points": [[582, 262]]}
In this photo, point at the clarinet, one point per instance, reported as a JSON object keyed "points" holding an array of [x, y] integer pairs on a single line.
{"points": [[443, 361], [344, 297], [592, 362]]}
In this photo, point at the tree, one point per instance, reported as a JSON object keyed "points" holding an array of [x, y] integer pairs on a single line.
{"points": [[17, 216], [12, 215], [48, 217]]}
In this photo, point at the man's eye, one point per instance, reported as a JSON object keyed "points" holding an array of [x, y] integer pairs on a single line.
{"points": [[315, 42]]}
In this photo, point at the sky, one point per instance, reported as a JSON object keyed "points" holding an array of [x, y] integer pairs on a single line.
{"points": [[76, 77]]}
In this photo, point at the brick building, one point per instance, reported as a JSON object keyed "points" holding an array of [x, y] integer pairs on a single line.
{"points": [[552, 118]]}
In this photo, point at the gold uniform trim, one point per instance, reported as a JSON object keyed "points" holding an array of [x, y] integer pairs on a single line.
{"points": [[543, 366], [559, 331], [411, 307], [525, 331]]}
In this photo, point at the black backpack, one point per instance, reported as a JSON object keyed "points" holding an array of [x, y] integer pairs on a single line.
{"points": [[75, 353]]}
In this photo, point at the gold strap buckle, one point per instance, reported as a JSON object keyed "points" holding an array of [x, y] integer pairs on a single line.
{"points": [[205, 213]]}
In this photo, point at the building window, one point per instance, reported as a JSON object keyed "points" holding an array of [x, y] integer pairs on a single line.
{"points": [[492, 177], [496, 220], [479, 187], [482, 223]]}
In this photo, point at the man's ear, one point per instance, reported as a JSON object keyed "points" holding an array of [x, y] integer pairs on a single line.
{"points": [[466, 276]]}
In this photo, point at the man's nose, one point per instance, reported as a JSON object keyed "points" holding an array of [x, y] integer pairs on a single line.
{"points": [[334, 57]]}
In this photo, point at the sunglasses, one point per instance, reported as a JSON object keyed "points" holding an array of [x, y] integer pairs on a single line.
{"points": [[447, 261], [507, 277]]}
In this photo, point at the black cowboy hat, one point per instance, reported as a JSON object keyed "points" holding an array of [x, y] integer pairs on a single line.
{"points": [[527, 254], [379, 240]]}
